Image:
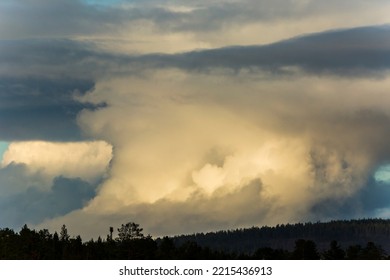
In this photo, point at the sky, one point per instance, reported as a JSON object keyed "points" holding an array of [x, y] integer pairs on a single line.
{"points": [[193, 116]]}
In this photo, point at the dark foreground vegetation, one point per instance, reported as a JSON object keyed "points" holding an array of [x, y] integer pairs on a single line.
{"points": [[337, 240]]}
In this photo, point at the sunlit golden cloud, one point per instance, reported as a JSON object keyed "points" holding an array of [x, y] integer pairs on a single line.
{"points": [[183, 137]]}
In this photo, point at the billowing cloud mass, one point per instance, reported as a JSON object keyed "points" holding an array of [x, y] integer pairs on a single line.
{"points": [[189, 116]]}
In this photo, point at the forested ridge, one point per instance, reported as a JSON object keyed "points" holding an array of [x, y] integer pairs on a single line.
{"points": [[353, 239], [346, 232]]}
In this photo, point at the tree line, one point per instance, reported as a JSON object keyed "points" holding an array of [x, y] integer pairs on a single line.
{"points": [[247, 240], [131, 243]]}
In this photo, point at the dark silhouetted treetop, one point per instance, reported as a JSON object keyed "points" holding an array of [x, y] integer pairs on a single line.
{"points": [[334, 252], [64, 236], [129, 231]]}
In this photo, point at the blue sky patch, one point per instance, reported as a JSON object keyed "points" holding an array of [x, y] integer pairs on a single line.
{"points": [[3, 148]]}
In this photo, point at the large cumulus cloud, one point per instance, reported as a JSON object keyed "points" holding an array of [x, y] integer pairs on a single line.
{"points": [[203, 139]]}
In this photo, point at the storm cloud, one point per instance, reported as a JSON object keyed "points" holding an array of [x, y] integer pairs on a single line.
{"points": [[193, 116]]}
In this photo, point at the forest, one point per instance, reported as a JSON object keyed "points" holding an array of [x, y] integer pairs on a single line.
{"points": [[366, 239]]}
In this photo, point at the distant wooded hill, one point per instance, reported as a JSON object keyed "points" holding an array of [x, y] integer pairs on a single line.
{"points": [[337, 240], [247, 240]]}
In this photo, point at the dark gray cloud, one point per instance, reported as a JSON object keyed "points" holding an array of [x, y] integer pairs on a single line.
{"points": [[28, 19], [34, 205], [350, 51], [340, 52], [38, 81], [38, 108], [13, 179], [54, 59], [373, 197]]}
